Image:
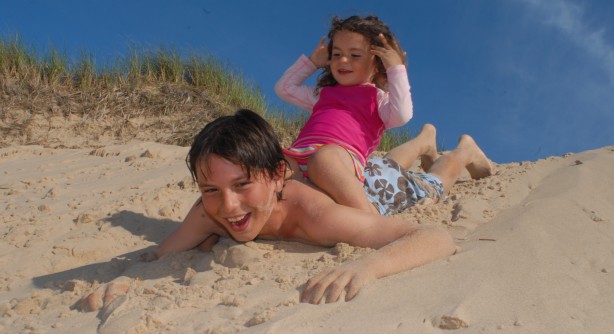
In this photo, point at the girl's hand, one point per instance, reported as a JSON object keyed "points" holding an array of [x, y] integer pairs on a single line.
{"points": [[388, 55], [330, 284], [319, 56]]}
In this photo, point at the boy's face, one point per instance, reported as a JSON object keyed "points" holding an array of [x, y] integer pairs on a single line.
{"points": [[240, 204], [352, 62]]}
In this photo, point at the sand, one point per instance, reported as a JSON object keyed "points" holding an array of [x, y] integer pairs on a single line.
{"points": [[536, 253]]}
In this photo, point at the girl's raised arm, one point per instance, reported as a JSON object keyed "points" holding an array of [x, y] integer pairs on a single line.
{"points": [[290, 87]]}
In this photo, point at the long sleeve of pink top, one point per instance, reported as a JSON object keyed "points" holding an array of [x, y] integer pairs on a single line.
{"points": [[395, 107]]}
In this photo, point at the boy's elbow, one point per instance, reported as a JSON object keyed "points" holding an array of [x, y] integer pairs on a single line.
{"points": [[438, 241], [446, 243]]}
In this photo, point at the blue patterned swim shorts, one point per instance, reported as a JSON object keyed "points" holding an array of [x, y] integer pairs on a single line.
{"points": [[393, 189]]}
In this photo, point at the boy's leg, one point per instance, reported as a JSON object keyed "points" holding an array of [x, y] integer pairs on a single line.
{"points": [[331, 169], [467, 154], [423, 146]]}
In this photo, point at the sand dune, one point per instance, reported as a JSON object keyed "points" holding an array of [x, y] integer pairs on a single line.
{"points": [[536, 253]]}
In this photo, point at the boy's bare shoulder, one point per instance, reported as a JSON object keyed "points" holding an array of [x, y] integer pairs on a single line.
{"points": [[300, 193], [326, 223]]}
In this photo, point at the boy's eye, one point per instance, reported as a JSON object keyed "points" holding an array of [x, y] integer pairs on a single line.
{"points": [[356, 55], [243, 184], [208, 190]]}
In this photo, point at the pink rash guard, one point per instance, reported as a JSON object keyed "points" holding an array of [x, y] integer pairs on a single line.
{"points": [[353, 117]]}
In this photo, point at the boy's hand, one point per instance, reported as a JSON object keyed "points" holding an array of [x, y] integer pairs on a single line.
{"points": [[319, 56], [108, 296], [208, 243], [148, 257], [330, 284], [388, 55]]}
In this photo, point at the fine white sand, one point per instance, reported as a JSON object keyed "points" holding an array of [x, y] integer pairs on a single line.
{"points": [[536, 253]]}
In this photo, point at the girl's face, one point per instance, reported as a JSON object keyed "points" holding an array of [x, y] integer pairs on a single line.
{"points": [[240, 204], [351, 60]]}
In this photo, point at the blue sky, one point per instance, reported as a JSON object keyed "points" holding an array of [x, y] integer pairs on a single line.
{"points": [[527, 78]]}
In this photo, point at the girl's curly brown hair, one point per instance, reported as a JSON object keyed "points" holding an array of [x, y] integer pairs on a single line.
{"points": [[370, 27]]}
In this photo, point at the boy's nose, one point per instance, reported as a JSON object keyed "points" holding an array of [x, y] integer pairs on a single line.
{"points": [[230, 202]]}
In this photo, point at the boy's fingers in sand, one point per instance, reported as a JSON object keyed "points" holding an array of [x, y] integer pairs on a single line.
{"points": [[148, 257], [331, 284], [91, 302], [102, 296], [208, 243], [114, 290], [317, 287]]}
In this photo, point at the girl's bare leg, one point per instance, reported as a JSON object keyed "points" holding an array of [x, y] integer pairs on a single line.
{"points": [[423, 146], [467, 154], [332, 170]]}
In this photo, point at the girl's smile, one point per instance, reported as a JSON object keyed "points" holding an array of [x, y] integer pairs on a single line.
{"points": [[352, 62]]}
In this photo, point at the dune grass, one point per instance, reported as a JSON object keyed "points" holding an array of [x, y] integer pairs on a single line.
{"points": [[187, 91]]}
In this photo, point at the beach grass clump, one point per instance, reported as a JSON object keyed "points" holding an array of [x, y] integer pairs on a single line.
{"points": [[393, 138]]}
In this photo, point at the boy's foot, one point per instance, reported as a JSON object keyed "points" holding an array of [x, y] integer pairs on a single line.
{"points": [[480, 165], [429, 135]]}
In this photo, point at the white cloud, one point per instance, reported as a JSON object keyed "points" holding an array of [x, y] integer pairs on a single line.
{"points": [[568, 18]]}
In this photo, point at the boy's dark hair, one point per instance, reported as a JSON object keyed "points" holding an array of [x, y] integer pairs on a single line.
{"points": [[244, 138], [370, 27]]}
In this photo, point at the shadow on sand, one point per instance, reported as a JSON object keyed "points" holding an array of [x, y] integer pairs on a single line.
{"points": [[150, 229]]}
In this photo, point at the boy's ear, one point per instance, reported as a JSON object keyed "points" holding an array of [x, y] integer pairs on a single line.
{"points": [[280, 175], [281, 170]]}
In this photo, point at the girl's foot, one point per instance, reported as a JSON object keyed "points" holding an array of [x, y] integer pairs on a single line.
{"points": [[480, 166], [428, 157]]}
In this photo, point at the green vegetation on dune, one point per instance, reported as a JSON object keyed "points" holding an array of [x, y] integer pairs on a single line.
{"points": [[158, 95]]}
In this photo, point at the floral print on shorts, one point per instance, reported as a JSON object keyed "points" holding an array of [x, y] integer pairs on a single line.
{"points": [[393, 189]]}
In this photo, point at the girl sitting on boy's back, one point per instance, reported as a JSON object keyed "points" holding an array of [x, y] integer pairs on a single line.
{"points": [[362, 91]]}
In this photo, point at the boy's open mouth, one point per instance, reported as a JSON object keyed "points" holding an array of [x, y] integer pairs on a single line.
{"points": [[239, 223]]}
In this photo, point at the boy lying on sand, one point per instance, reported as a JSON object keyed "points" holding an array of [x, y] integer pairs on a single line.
{"points": [[240, 170]]}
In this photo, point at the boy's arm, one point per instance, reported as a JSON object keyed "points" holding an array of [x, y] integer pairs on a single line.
{"points": [[195, 228], [193, 231], [401, 245], [290, 86], [396, 108]]}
